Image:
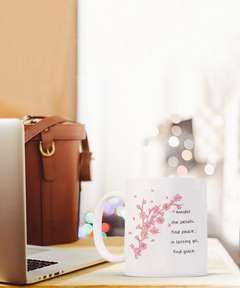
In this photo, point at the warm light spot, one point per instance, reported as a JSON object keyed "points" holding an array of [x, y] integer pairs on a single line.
{"points": [[176, 130], [105, 227], [213, 164], [175, 118], [187, 155], [182, 170]]}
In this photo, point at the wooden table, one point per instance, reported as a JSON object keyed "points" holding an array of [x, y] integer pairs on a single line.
{"points": [[222, 271]]}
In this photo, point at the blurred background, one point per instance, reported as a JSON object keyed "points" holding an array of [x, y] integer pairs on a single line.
{"points": [[157, 84], [158, 90]]}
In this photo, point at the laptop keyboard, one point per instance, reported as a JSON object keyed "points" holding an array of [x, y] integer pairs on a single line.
{"points": [[34, 264]]}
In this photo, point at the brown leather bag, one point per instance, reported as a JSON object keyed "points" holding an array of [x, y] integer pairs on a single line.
{"points": [[54, 169]]}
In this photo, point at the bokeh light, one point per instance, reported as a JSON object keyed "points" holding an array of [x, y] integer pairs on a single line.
{"points": [[115, 202], [109, 209], [212, 157], [173, 161], [187, 155], [105, 227], [188, 144], [89, 217], [209, 170], [175, 118], [182, 171], [176, 130], [121, 211], [81, 232], [153, 131], [88, 228], [144, 141], [173, 141]]}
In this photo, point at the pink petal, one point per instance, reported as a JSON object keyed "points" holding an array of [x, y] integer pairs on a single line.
{"points": [[133, 218], [135, 196], [169, 225], [151, 201], [167, 197], [129, 233], [152, 190], [152, 240]]}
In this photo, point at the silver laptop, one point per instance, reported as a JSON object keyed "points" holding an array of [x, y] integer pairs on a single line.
{"points": [[21, 263]]}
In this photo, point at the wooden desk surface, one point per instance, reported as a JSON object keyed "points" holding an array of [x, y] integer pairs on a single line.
{"points": [[222, 271]]}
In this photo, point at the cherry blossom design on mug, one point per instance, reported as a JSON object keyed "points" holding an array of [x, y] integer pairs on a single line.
{"points": [[149, 219]]}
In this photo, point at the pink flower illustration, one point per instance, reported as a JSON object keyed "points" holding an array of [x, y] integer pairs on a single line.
{"points": [[144, 235], [143, 246], [156, 209], [153, 217], [177, 197], [129, 233], [160, 220], [154, 230], [143, 215], [147, 225], [166, 206]]}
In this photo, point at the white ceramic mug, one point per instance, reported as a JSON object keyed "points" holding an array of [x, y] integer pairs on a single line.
{"points": [[165, 227]]}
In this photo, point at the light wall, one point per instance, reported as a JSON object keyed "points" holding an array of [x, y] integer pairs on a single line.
{"points": [[38, 57]]}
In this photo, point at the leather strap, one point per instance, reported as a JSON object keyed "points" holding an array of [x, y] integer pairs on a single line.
{"points": [[48, 165], [46, 122], [85, 161], [42, 125]]}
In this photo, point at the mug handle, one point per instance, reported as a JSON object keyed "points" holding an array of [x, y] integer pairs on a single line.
{"points": [[97, 227]]}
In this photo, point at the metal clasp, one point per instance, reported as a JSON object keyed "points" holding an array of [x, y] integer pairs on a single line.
{"points": [[48, 153]]}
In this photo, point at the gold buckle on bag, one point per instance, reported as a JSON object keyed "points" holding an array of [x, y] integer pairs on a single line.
{"points": [[48, 153]]}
